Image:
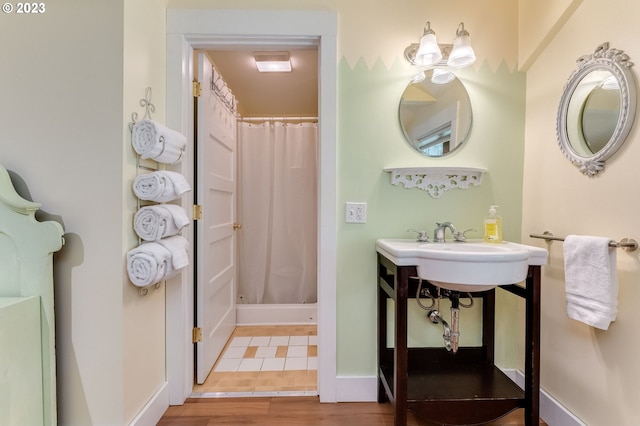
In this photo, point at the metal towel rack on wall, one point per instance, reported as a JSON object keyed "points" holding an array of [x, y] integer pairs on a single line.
{"points": [[626, 244]]}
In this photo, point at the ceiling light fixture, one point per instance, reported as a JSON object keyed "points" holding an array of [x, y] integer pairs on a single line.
{"points": [[272, 61], [430, 54]]}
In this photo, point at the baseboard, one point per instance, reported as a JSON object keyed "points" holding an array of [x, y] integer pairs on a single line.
{"points": [[277, 314], [551, 411], [154, 409], [356, 388]]}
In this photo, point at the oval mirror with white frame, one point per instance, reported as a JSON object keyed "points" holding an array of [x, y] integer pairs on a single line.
{"points": [[435, 118], [597, 109]]}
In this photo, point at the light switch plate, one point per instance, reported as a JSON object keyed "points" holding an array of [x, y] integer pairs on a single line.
{"points": [[356, 212]]}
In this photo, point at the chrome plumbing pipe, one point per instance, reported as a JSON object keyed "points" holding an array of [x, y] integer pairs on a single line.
{"points": [[455, 326], [434, 317], [455, 321]]}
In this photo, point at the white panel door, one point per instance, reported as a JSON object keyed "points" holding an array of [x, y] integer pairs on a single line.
{"points": [[216, 187]]}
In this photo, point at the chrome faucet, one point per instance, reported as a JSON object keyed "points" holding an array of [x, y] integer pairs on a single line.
{"points": [[458, 236], [438, 233]]}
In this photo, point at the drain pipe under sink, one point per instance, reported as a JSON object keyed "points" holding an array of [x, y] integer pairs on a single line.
{"points": [[434, 317], [451, 334]]}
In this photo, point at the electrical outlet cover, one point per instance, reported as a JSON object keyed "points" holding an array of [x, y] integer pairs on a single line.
{"points": [[356, 212]]}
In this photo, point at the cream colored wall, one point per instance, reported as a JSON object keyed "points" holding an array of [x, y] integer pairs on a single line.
{"points": [[593, 373], [539, 22], [61, 120], [144, 316], [374, 30], [70, 79]]}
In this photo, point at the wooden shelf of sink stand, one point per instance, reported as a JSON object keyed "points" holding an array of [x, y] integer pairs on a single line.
{"points": [[454, 389]]}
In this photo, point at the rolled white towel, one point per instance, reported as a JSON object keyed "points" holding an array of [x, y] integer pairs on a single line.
{"points": [[147, 264], [152, 223], [153, 140], [178, 246], [160, 186]]}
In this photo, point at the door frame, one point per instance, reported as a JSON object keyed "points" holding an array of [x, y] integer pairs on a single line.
{"points": [[190, 29]]}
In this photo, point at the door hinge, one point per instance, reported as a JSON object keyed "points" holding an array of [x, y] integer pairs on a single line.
{"points": [[196, 89], [196, 335], [197, 212]]}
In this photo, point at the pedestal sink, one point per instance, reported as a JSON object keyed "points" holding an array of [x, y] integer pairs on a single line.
{"points": [[465, 266]]}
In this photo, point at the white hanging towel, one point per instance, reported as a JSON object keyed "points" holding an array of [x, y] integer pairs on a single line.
{"points": [[591, 280], [160, 186], [157, 142], [147, 264], [152, 223]]}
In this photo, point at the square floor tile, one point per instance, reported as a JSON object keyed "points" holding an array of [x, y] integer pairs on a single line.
{"points": [[227, 365], [240, 341], [279, 341], [297, 351], [273, 364], [313, 340], [266, 352], [234, 352], [250, 364], [312, 363], [295, 364], [260, 341], [298, 340]]}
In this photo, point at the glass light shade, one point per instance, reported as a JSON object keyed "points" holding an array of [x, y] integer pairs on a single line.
{"points": [[429, 52], [441, 76], [462, 54]]}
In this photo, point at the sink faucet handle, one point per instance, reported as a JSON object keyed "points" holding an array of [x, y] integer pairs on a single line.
{"points": [[421, 236], [461, 236]]}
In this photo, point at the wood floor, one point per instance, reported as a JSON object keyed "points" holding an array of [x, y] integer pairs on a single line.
{"points": [[290, 411]]}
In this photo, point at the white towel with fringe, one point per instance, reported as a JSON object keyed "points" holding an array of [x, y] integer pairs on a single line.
{"points": [[160, 186], [153, 140], [152, 223], [147, 264], [591, 281]]}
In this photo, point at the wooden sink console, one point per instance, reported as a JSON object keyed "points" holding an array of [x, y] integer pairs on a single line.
{"points": [[465, 388]]}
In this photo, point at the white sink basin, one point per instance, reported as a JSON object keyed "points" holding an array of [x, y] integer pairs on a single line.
{"points": [[470, 266]]}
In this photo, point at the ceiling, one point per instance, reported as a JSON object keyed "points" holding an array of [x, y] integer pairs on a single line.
{"points": [[290, 94]]}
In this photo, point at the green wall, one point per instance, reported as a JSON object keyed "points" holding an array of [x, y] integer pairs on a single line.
{"points": [[370, 139]]}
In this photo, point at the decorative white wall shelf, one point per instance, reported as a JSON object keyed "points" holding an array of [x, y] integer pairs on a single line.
{"points": [[435, 180]]}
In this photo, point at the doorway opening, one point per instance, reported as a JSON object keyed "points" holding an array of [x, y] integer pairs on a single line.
{"points": [[189, 30], [273, 349]]}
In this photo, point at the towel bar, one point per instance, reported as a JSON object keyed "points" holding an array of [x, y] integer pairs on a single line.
{"points": [[627, 244]]}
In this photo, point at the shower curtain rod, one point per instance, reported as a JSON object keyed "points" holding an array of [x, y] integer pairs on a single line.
{"points": [[278, 118]]}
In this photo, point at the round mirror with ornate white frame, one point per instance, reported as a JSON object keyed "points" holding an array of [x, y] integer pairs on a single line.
{"points": [[597, 109]]}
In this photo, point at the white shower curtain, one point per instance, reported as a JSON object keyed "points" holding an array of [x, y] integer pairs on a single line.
{"points": [[277, 207]]}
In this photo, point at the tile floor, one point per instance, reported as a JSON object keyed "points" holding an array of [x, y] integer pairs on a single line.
{"points": [[271, 359]]}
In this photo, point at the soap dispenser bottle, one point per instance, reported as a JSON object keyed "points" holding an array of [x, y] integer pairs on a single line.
{"points": [[493, 227]]}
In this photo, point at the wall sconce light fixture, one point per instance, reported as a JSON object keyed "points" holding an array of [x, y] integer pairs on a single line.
{"points": [[428, 53]]}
